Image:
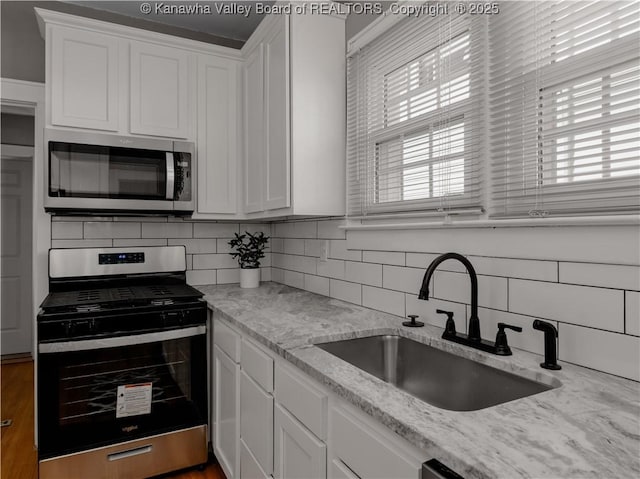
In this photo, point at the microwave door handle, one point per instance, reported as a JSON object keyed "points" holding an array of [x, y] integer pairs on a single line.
{"points": [[171, 175]]}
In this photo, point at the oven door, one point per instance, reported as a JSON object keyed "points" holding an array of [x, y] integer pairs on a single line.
{"points": [[93, 393]]}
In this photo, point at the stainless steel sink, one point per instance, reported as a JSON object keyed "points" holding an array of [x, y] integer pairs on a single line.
{"points": [[439, 378]]}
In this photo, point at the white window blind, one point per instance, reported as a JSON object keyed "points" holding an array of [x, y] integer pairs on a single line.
{"points": [[415, 108], [565, 108]]}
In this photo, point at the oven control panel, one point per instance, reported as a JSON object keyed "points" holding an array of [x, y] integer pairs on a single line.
{"points": [[120, 258]]}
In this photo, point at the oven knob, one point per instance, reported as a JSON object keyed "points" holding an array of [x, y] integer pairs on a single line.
{"points": [[69, 328], [92, 325]]}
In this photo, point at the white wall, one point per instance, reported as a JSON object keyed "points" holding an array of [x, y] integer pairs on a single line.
{"points": [[208, 259], [584, 279]]}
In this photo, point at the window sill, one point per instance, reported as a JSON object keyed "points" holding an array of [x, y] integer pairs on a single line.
{"points": [[398, 224]]}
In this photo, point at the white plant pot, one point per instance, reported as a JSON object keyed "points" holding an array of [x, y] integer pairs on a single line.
{"points": [[249, 277]]}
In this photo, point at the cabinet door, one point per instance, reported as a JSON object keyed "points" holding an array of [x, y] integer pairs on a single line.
{"points": [[226, 424], [276, 83], [217, 134], [159, 90], [254, 131], [84, 79], [298, 453], [256, 421]]}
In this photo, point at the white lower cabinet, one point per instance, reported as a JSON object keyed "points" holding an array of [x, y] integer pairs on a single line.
{"points": [[226, 426], [256, 422], [273, 420], [299, 454], [249, 467]]}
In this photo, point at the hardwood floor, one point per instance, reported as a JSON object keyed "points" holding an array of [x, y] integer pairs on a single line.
{"points": [[18, 455]]}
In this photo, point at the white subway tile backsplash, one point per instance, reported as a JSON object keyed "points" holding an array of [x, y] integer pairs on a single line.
{"points": [[254, 228], [189, 261], [265, 274], [201, 276], [277, 275], [81, 243], [384, 257], [214, 261], [276, 245], [349, 292], [613, 353], [329, 229], [632, 313], [140, 242], [331, 268], [302, 264], [604, 275], [582, 305], [294, 246], [383, 300], [515, 268], [222, 245], [338, 250], [364, 273], [195, 246], [492, 290], [316, 284], [400, 278], [215, 230], [529, 339], [226, 276], [66, 230], [110, 229], [313, 247], [294, 279], [423, 260], [427, 311], [167, 230]]}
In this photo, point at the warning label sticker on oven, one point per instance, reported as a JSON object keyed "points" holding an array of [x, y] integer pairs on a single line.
{"points": [[134, 399]]}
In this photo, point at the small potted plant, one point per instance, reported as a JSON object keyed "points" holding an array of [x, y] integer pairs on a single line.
{"points": [[249, 249]]}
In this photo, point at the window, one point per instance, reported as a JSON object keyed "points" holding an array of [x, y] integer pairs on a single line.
{"points": [[413, 118], [565, 106]]}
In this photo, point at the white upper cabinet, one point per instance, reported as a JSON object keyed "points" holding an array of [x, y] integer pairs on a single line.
{"points": [[159, 90], [84, 79], [295, 125], [218, 116], [276, 162], [254, 136]]}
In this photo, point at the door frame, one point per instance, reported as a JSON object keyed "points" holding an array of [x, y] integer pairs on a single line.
{"points": [[29, 97]]}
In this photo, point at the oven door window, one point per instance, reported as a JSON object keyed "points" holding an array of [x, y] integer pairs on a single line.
{"points": [[88, 171], [162, 388]]}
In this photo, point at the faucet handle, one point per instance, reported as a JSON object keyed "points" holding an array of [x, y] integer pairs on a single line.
{"points": [[502, 326], [502, 347], [450, 326]]}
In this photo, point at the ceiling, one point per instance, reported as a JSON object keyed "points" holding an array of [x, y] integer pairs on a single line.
{"points": [[211, 20]]}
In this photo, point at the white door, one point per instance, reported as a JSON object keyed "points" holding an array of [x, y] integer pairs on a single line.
{"points": [[256, 422], [16, 310], [276, 164], [159, 87], [226, 423], [298, 453]]}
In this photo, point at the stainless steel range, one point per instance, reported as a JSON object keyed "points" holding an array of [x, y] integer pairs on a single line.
{"points": [[122, 368]]}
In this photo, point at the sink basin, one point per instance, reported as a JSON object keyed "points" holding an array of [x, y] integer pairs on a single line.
{"points": [[437, 377]]}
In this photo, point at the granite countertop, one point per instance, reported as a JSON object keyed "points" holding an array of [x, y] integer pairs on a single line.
{"points": [[588, 427]]}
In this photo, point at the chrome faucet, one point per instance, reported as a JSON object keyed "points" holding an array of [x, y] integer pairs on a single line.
{"points": [[473, 338], [474, 322]]}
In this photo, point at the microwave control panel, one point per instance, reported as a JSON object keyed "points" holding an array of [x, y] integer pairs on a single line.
{"points": [[120, 258]]}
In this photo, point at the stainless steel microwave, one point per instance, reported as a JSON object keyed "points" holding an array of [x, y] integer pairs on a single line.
{"points": [[93, 173]]}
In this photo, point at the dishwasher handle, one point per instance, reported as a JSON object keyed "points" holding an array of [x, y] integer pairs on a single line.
{"points": [[434, 469]]}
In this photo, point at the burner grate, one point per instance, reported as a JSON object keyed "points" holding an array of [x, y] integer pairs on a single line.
{"points": [[159, 290], [88, 295]]}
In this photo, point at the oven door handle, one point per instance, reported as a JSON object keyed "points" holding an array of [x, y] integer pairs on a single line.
{"points": [[90, 344]]}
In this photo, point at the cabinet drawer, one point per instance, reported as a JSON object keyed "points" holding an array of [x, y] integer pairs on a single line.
{"points": [[227, 340], [365, 452], [257, 364], [249, 467], [306, 402], [256, 421]]}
